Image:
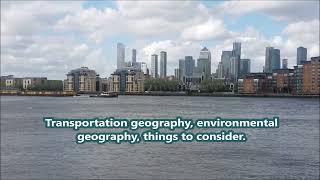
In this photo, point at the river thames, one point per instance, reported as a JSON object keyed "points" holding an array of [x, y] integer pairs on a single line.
{"points": [[31, 151]]}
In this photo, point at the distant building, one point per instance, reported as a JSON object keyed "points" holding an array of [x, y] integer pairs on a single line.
{"points": [[236, 51], [283, 80], [272, 60], [220, 70], [181, 70], [234, 68], [11, 82], [298, 79], [8, 81], [120, 55], [30, 82], [255, 83], [154, 66], [81, 80], [176, 73], [244, 67], [163, 64], [311, 76], [105, 84], [134, 56], [189, 65], [225, 59], [284, 63], [204, 63], [301, 55], [249, 86], [127, 81]]}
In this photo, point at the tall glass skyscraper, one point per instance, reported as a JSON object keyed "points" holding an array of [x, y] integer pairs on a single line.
{"points": [[225, 59], [163, 64], [234, 67], [134, 56], [154, 66], [272, 60], [236, 51], [120, 55], [301, 55], [244, 67], [284, 63], [181, 69], [189, 65], [204, 63]]}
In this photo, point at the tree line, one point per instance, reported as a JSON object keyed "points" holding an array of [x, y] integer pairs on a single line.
{"points": [[208, 86]]}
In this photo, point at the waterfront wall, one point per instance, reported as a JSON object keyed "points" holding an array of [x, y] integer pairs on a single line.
{"points": [[36, 93]]}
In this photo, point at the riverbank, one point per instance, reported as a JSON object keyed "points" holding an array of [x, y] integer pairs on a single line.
{"points": [[36, 93], [222, 94], [152, 93]]}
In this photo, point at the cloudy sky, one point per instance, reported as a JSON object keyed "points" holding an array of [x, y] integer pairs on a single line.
{"points": [[49, 38]]}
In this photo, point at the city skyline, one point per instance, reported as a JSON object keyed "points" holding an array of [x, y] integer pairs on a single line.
{"points": [[52, 42]]}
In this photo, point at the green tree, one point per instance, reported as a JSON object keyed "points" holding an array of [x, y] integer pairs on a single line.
{"points": [[50, 85], [210, 86], [160, 85]]}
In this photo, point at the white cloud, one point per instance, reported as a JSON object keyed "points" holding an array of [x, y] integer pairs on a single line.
{"points": [[52, 57], [279, 10], [139, 19], [51, 37], [25, 18], [212, 29]]}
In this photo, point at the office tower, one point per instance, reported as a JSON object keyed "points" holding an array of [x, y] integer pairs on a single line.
{"points": [[236, 51], [120, 56], [284, 63], [272, 60], [301, 55], [134, 56], [225, 59], [204, 63], [181, 69], [244, 67], [144, 67], [154, 66], [220, 70], [234, 67], [276, 59], [163, 64], [176, 73], [189, 65]]}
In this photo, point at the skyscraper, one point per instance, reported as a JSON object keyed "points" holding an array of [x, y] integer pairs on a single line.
{"points": [[301, 55], [163, 64], [134, 56], [236, 51], [275, 63], [176, 73], [181, 69], [272, 60], [225, 59], [204, 63], [234, 67], [189, 65], [244, 67], [120, 55], [284, 63], [154, 66], [220, 70]]}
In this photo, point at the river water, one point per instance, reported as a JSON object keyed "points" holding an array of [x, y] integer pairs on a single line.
{"points": [[31, 151]]}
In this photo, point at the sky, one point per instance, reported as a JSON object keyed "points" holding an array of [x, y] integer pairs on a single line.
{"points": [[49, 38]]}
